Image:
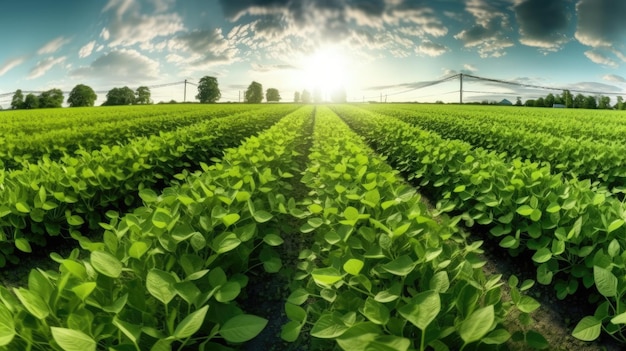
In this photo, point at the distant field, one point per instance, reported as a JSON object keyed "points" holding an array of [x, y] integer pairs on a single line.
{"points": [[239, 226]]}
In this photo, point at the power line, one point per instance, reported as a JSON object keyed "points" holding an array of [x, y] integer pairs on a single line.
{"points": [[524, 85]]}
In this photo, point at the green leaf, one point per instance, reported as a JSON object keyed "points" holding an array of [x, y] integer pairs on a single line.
{"points": [[422, 309], [497, 337], [477, 325], [32, 302], [225, 242], [542, 255], [326, 276], [228, 292], [376, 312], [536, 340], [295, 312], [353, 266], [262, 216], [22, 207], [132, 331], [242, 328], [7, 326], [619, 319], [106, 264], [588, 329], [23, 245], [137, 249], [615, 225], [553, 207], [528, 304], [290, 331], [606, 282], [73, 340], [351, 213], [84, 290], [160, 284], [328, 326], [401, 266], [148, 195], [191, 324], [525, 210], [298, 297], [230, 219], [273, 240]]}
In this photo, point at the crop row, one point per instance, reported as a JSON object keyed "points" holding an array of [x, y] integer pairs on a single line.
{"points": [[587, 159], [382, 273], [58, 197], [601, 125], [166, 275], [20, 146], [575, 233]]}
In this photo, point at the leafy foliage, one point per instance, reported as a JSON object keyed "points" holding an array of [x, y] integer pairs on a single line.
{"points": [[208, 90]]}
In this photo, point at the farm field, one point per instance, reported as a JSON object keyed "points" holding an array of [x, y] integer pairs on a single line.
{"points": [[303, 227]]}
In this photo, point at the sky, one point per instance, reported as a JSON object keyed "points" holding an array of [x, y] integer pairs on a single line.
{"points": [[389, 50]]}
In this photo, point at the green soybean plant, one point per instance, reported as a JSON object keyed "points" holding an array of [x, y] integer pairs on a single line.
{"points": [[382, 273]]}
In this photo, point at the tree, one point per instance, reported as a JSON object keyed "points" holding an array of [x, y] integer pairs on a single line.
{"points": [[82, 95], [568, 99], [142, 96], [272, 94], [620, 103], [549, 100], [208, 90], [31, 102], [52, 98], [518, 102], [305, 97], [590, 102], [254, 93], [296, 97], [529, 103], [604, 102], [579, 101], [120, 96], [540, 102], [18, 100]]}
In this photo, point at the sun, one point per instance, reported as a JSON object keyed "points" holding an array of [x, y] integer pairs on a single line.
{"points": [[326, 71]]}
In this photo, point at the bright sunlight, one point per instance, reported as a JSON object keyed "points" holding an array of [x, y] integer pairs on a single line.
{"points": [[327, 71]]}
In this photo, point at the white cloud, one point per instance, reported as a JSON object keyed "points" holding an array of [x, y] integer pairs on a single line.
{"points": [[470, 68], [53, 46], [10, 64], [601, 22], [488, 34], [204, 48], [86, 50], [600, 58], [128, 25], [121, 66], [614, 78], [44, 66], [431, 49]]}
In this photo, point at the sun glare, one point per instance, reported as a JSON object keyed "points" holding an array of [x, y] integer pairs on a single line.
{"points": [[326, 71]]}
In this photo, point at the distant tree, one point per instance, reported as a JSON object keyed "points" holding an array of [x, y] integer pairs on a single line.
{"points": [[31, 102], [579, 101], [620, 103], [142, 96], [18, 100], [518, 102], [339, 96], [120, 96], [529, 103], [82, 95], [52, 98], [590, 102], [568, 99], [272, 94], [540, 102], [558, 99], [604, 102], [254, 93], [296, 97], [208, 90], [549, 100], [306, 97]]}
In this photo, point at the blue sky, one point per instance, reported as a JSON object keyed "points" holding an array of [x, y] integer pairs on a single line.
{"points": [[370, 48]]}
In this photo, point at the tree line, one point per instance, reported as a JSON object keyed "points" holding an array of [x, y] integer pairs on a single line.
{"points": [[566, 99], [81, 96]]}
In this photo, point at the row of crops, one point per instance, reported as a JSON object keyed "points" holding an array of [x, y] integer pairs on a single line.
{"points": [[171, 223]]}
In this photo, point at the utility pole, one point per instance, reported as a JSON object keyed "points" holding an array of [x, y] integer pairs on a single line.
{"points": [[239, 96], [461, 88], [185, 92]]}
